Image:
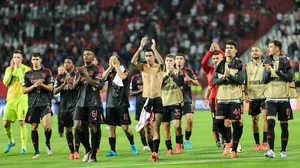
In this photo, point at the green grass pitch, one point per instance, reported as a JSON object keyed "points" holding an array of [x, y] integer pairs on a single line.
{"points": [[204, 153]]}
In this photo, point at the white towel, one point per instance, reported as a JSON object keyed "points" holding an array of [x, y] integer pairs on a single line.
{"points": [[145, 117], [117, 80]]}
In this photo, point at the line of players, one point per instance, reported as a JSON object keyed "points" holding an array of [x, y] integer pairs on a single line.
{"points": [[167, 98], [81, 103], [266, 84]]}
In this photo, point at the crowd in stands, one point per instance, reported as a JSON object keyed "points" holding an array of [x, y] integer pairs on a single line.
{"points": [[64, 28]]}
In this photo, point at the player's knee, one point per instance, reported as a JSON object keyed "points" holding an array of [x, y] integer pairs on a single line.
{"points": [[93, 130], [189, 121], [177, 126], [77, 127], [167, 125], [47, 127], [125, 128], [6, 124], [254, 121], [22, 123], [69, 129]]}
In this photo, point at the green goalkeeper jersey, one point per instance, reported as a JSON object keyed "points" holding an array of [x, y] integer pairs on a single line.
{"points": [[13, 80]]}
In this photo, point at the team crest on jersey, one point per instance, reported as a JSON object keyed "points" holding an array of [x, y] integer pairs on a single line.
{"points": [[43, 75], [31, 76]]}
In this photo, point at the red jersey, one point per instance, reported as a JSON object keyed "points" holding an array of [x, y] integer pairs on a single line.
{"points": [[209, 70]]}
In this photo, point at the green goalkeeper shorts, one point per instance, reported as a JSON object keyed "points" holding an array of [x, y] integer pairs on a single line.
{"points": [[15, 110]]}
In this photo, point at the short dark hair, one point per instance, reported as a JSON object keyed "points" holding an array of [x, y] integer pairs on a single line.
{"points": [[277, 43], [180, 55], [170, 56], [149, 50], [88, 49], [215, 53], [70, 58], [231, 42], [18, 52], [36, 55], [119, 58]]}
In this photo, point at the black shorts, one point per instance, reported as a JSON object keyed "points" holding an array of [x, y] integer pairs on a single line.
{"points": [[212, 105], [138, 107], [89, 114], [35, 114], [256, 106], [188, 108], [66, 118], [231, 111], [117, 116], [156, 103], [283, 109], [172, 113]]}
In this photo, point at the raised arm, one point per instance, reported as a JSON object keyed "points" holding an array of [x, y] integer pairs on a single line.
{"points": [[19, 73], [157, 55], [204, 63], [107, 71], [135, 57], [26, 89], [48, 87], [58, 86], [7, 76], [121, 74], [92, 82], [77, 80], [26, 85], [191, 77]]}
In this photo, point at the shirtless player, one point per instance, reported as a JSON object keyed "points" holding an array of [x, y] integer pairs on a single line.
{"points": [[152, 74]]}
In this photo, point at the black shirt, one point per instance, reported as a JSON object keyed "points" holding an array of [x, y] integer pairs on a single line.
{"points": [[89, 96], [68, 96], [39, 96], [117, 96], [136, 84], [187, 91]]}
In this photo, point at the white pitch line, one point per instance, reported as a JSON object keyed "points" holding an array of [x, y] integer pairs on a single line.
{"points": [[150, 163]]}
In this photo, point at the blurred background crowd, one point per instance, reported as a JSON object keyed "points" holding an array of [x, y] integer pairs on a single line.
{"points": [[60, 28]]}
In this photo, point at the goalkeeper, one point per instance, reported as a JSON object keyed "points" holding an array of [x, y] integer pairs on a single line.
{"points": [[16, 102]]}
